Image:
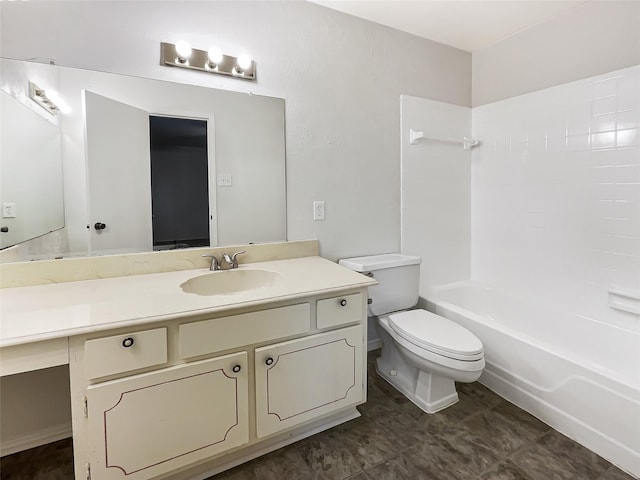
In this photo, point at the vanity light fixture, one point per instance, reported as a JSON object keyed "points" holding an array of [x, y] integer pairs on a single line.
{"points": [[48, 99], [213, 60]]}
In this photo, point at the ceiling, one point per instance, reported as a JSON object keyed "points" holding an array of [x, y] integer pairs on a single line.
{"points": [[470, 25]]}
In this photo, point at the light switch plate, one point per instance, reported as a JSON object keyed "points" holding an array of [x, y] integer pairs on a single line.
{"points": [[8, 210]]}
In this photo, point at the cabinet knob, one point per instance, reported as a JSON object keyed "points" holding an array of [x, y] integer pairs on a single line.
{"points": [[99, 226], [128, 342], [343, 302], [236, 368], [269, 361]]}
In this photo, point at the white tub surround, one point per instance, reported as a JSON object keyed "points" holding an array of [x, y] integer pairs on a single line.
{"points": [[580, 376], [556, 197], [171, 384]]}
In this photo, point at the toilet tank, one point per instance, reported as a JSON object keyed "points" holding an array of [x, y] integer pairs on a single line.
{"points": [[398, 279]]}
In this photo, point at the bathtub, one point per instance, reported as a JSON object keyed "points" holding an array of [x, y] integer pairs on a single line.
{"points": [[579, 375]]}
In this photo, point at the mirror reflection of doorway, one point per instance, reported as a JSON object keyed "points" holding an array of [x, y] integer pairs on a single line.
{"points": [[179, 182]]}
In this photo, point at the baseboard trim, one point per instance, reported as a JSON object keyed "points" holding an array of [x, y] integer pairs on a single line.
{"points": [[25, 442], [374, 344]]}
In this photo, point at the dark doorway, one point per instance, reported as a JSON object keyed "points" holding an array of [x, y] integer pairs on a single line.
{"points": [[179, 182]]}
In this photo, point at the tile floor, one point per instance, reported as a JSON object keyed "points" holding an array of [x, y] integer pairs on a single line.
{"points": [[482, 437]]}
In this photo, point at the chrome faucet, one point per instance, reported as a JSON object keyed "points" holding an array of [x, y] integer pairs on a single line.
{"points": [[232, 261], [215, 264]]}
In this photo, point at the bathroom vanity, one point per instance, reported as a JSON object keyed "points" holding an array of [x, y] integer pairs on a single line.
{"points": [[172, 380]]}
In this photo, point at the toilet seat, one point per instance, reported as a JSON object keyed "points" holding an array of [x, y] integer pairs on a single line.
{"points": [[436, 334]]}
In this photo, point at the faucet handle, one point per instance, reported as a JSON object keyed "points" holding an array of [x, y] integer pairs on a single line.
{"points": [[238, 253], [234, 258]]}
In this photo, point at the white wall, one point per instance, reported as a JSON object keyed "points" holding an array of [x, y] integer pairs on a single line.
{"points": [[593, 38], [341, 78], [556, 194], [436, 190]]}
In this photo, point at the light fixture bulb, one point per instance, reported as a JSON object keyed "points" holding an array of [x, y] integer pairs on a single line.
{"points": [[56, 100], [183, 49], [215, 55], [244, 62]]}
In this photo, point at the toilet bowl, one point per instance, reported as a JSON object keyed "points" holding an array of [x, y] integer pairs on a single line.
{"points": [[423, 354]]}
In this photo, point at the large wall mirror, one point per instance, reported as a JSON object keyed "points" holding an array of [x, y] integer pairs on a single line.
{"points": [[146, 164]]}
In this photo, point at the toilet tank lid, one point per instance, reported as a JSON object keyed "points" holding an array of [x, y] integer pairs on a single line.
{"points": [[378, 262]]}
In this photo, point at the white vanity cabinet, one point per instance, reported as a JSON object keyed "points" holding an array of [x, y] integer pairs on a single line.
{"points": [[170, 384], [148, 424], [191, 396]]}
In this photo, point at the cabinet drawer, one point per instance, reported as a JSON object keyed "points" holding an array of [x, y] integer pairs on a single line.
{"points": [[218, 334], [122, 353], [336, 311]]}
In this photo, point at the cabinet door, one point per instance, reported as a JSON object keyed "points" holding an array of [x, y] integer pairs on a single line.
{"points": [[145, 425], [299, 380]]}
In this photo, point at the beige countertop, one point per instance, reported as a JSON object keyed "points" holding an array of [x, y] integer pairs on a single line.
{"points": [[44, 312]]}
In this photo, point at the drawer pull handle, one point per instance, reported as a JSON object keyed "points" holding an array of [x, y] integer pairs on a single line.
{"points": [[236, 368], [128, 342], [343, 302], [269, 361]]}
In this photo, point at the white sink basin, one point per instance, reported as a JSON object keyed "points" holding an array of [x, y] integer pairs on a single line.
{"points": [[229, 281]]}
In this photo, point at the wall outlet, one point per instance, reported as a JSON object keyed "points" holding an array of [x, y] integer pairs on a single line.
{"points": [[8, 210], [318, 210]]}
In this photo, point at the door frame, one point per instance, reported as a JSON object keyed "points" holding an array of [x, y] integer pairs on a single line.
{"points": [[211, 163]]}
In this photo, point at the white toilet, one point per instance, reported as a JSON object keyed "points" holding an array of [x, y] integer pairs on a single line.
{"points": [[423, 354]]}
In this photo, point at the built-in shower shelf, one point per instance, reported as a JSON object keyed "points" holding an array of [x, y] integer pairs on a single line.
{"points": [[627, 301]]}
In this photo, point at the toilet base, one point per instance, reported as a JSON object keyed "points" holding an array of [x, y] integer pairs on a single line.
{"points": [[429, 392]]}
